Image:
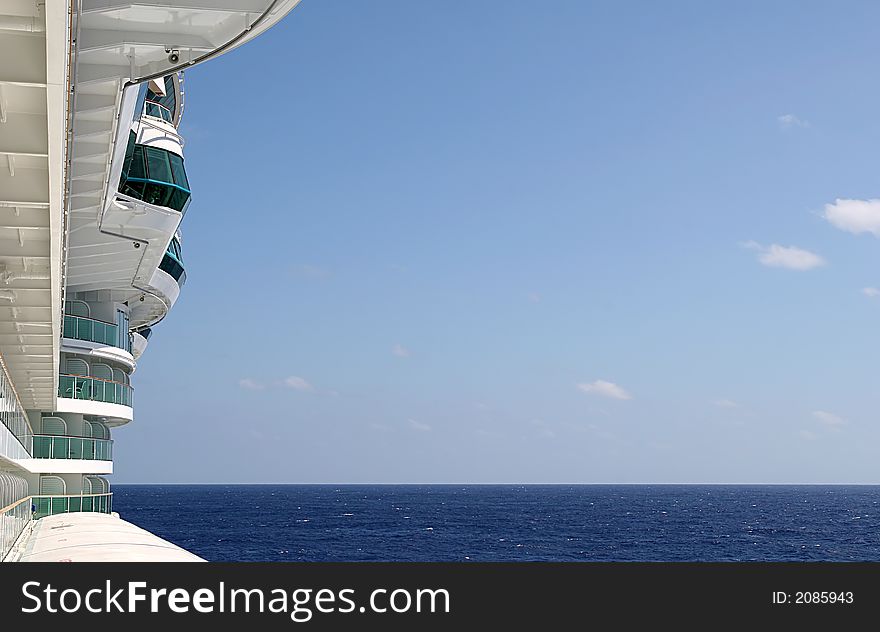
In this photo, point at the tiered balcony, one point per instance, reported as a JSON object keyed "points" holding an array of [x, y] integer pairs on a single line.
{"points": [[50, 505], [64, 447], [94, 389], [91, 330]]}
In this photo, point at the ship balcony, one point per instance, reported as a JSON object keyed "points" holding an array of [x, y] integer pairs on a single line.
{"points": [[139, 341], [94, 389], [49, 505], [155, 176], [159, 111], [173, 268], [91, 330], [68, 447]]}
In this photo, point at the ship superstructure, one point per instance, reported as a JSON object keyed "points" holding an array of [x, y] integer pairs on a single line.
{"points": [[93, 190]]}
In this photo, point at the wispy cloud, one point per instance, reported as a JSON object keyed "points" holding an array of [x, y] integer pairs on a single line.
{"points": [[725, 403], [418, 425], [789, 257], [400, 351], [829, 419], [789, 121], [298, 384], [380, 427], [871, 292], [808, 435], [533, 297], [310, 272], [854, 216], [605, 389], [251, 385]]}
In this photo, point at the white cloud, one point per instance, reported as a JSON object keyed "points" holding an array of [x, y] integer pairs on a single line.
{"points": [[854, 216], [790, 257], [400, 351], [871, 292], [606, 389], [829, 419], [418, 425], [251, 385], [788, 121], [725, 403], [533, 297], [298, 384], [808, 435]]}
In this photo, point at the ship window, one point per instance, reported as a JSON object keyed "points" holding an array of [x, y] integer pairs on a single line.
{"points": [[50, 484], [53, 426], [178, 171], [178, 199], [137, 169], [129, 154], [77, 308], [157, 177], [169, 100], [75, 366], [158, 165]]}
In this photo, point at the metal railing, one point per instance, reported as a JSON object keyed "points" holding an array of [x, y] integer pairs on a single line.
{"points": [[48, 505], [92, 330], [159, 111], [67, 447], [94, 389], [12, 414], [175, 136], [13, 519]]}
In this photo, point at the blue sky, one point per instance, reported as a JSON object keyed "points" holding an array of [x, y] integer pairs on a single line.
{"points": [[498, 242]]}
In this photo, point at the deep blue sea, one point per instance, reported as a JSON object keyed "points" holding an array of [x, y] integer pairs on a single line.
{"points": [[510, 522]]}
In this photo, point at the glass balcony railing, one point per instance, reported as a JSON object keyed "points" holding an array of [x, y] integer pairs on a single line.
{"points": [[13, 519], [94, 389], [154, 175], [91, 330], [159, 111], [50, 505], [62, 447]]}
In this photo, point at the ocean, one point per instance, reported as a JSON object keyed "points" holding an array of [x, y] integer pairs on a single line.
{"points": [[510, 522]]}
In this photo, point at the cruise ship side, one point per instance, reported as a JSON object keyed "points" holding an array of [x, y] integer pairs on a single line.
{"points": [[93, 190]]}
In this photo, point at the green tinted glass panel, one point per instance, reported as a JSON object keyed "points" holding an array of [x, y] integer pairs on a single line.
{"points": [[158, 166], [137, 169], [76, 448], [169, 99], [177, 199], [42, 447], [41, 506], [178, 171], [129, 153], [134, 189], [158, 194], [84, 329], [60, 447], [94, 389]]}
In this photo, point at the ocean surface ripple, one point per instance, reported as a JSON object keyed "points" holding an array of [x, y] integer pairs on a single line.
{"points": [[510, 522]]}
